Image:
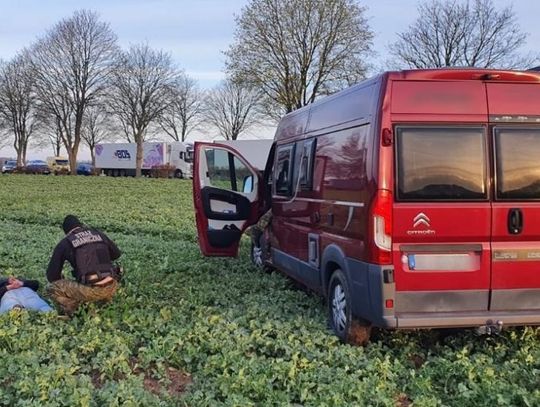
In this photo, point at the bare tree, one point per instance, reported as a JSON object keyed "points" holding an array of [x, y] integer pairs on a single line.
{"points": [[185, 110], [71, 65], [141, 89], [462, 33], [96, 129], [233, 108], [296, 50], [17, 104]]}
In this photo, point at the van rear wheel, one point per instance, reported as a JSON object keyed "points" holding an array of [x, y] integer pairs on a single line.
{"points": [[346, 327]]}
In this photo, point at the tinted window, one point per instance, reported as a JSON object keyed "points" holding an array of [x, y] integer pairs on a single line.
{"points": [[518, 163], [226, 171], [441, 164], [306, 164], [283, 170]]}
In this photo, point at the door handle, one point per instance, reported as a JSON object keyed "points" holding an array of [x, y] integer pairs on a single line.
{"points": [[515, 221]]}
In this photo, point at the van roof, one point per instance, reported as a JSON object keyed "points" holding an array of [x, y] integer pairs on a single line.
{"points": [[356, 106]]}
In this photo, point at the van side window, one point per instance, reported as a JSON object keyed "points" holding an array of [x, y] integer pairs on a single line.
{"points": [[283, 170], [443, 164], [517, 152], [306, 164]]}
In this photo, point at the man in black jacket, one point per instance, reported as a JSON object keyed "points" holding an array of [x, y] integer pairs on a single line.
{"points": [[19, 293], [90, 253]]}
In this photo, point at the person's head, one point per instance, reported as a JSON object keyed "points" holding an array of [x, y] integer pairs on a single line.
{"points": [[70, 222]]}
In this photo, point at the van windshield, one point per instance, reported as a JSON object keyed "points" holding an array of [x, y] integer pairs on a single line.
{"points": [[518, 163], [441, 164], [62, 162]]}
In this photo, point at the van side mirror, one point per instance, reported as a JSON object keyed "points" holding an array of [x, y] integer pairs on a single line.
{"points": [[247, 185]]}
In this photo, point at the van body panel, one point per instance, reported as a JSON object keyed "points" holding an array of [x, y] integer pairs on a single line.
{"points": [[515, 111], [514, 99], [427, 235], [448, 98], [455, 257]]}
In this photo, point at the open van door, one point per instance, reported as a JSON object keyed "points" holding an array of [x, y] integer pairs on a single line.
{"points": [[226, 190]]}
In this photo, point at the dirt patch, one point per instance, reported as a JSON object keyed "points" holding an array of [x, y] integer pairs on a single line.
{"points": [[176, 383], [403, 400], [97, 382], [417, 361]]}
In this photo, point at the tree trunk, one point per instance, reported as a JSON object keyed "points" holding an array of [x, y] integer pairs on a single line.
{"points": [[139, 157], [57, 149], [72, 155], [93, 155]]}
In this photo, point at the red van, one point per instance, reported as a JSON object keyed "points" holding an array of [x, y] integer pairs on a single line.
{"points": [[410, 200]]}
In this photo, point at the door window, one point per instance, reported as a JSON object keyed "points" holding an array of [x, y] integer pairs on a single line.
{"points": [[226, 171], [518, 163], [306, 164], [441, 164]]}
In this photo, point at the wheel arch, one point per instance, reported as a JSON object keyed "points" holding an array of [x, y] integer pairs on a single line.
{"points": [[333, 258]]}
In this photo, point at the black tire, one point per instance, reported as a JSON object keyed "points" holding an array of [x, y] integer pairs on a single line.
{"points": [[178, 174], [346, 327]]}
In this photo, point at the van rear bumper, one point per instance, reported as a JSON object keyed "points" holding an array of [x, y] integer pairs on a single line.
{"points": [[461, 319]]}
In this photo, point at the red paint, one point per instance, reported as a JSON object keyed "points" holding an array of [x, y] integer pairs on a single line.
{"points": [[354, 179]]}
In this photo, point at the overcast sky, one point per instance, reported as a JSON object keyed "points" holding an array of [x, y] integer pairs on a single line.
{"points": [[196, 32]]}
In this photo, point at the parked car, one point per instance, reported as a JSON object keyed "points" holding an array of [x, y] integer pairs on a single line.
{"points": [[410, 200], [37, 167], [85, 169], [9, 167]]}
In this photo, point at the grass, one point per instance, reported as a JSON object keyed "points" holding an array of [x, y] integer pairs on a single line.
{"points": [[188, 330]]}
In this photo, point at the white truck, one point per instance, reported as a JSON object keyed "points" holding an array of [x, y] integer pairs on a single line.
{"points": [[119, 159], [255, 151]]}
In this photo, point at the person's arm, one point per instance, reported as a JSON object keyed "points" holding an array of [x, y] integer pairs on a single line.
{"points": [[32, 284], [54, 270], [3, 286], [13, 283]]}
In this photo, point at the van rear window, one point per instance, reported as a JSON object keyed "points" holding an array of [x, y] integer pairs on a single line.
{"points": [[518, 163], [441, 164]]}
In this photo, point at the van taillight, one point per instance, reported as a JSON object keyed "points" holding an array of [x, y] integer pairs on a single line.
{"points": [[380, 228]]}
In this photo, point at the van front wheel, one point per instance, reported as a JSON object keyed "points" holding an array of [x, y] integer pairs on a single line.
{"points": [[347, 328]]}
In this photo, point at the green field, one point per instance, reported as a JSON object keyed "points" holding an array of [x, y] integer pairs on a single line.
{"points": [[186, 330]]}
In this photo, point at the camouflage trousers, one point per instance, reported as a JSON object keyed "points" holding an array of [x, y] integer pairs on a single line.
{"points": [[68, 294], [257, 230]]}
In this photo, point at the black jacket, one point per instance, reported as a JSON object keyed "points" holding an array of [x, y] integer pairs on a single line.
{"points": [[64, 252], [32, 284]]}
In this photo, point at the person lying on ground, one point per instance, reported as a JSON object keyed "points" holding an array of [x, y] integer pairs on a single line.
{"points": [[90, 253], [17, 293]]}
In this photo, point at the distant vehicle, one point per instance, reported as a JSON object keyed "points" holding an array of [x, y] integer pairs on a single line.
{"points": [[58, 165], [85, 169], [37, 167], [255, 151], [9, 166], [410, 200], [119, 159]]}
